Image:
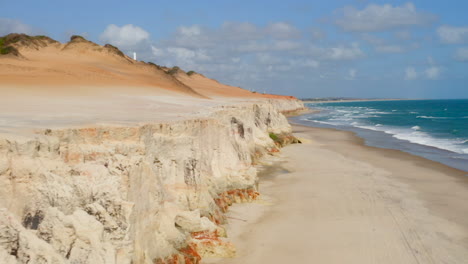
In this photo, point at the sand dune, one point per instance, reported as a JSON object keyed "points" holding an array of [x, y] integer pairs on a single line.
{"points": [[63, 67], [45, 83], [41, 65]]}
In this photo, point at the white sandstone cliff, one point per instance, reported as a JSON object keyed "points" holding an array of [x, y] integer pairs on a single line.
{"points": [[131, 194]]}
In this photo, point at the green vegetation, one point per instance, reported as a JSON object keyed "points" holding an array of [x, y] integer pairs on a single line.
{"points": [[173, 70], [77, 37], [274, 137], [114, 49], [23, 39], [7, 50], [190, 73], [109, 46], [284, 139], [41, 37], [154, 64]]}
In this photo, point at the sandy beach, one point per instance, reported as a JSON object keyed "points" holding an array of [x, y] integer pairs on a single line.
{"points": [[335, 200]]}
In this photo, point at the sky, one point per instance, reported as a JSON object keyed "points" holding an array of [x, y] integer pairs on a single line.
{"points": [[309, 49]]}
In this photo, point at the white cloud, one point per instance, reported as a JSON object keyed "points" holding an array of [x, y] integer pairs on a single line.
{"points": [[433, 72], [282, 30], [345, 53], [243, 53], [190, 31], [125, 37], [182, 53], [403, 35], [382, 17], [186, 56], [251, 47], [156, 51], [462, 54], [453, 35], [410, 74], [8, 26], [311, 63]]}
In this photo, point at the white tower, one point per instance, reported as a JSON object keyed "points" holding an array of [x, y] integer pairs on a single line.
{"points": [[134, 55]]}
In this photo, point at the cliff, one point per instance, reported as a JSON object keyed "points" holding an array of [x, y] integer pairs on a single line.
{"points": [[139, 193], [104, 159]]}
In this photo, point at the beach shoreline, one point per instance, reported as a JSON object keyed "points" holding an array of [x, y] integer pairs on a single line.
{"points": [[335, 200]]}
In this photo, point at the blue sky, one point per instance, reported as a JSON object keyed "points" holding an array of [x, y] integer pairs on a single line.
{"points": [[352, 48]]}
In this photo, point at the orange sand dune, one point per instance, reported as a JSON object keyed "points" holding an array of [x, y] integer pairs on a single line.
{"points": [[42, 65], [210, 87], [61, 67]]}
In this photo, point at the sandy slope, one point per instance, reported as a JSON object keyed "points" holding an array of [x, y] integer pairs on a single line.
{"points": [[64, 67], [337, 201], [45, 66], [213, 88], [52, 84]]}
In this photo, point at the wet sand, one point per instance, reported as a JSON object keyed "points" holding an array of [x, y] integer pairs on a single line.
{"points": [[335, 200]]}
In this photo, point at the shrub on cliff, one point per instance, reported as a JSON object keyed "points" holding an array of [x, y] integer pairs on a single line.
{"points": [[274, 137], [5, 48], [114, 49], [155, 65], [173, 70], [284, 139], [10, 42], [9, 50], [77, 38]]}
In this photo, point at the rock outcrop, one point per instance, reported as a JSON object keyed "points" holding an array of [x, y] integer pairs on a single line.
{"points": [[152, 193]]}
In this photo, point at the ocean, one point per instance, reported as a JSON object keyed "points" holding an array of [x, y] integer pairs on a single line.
{"points": [[434, 129]]}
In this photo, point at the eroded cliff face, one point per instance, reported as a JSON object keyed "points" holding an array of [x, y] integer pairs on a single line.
{"points": [[154, 193]]}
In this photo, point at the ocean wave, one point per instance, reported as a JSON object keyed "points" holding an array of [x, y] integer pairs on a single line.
{"points": [[368, 128], [413, 135], [323, 122], [434, 117], [422, 138], [416, 128]]}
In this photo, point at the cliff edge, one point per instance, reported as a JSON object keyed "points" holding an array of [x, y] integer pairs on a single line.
{"points": [[104, 159]]}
